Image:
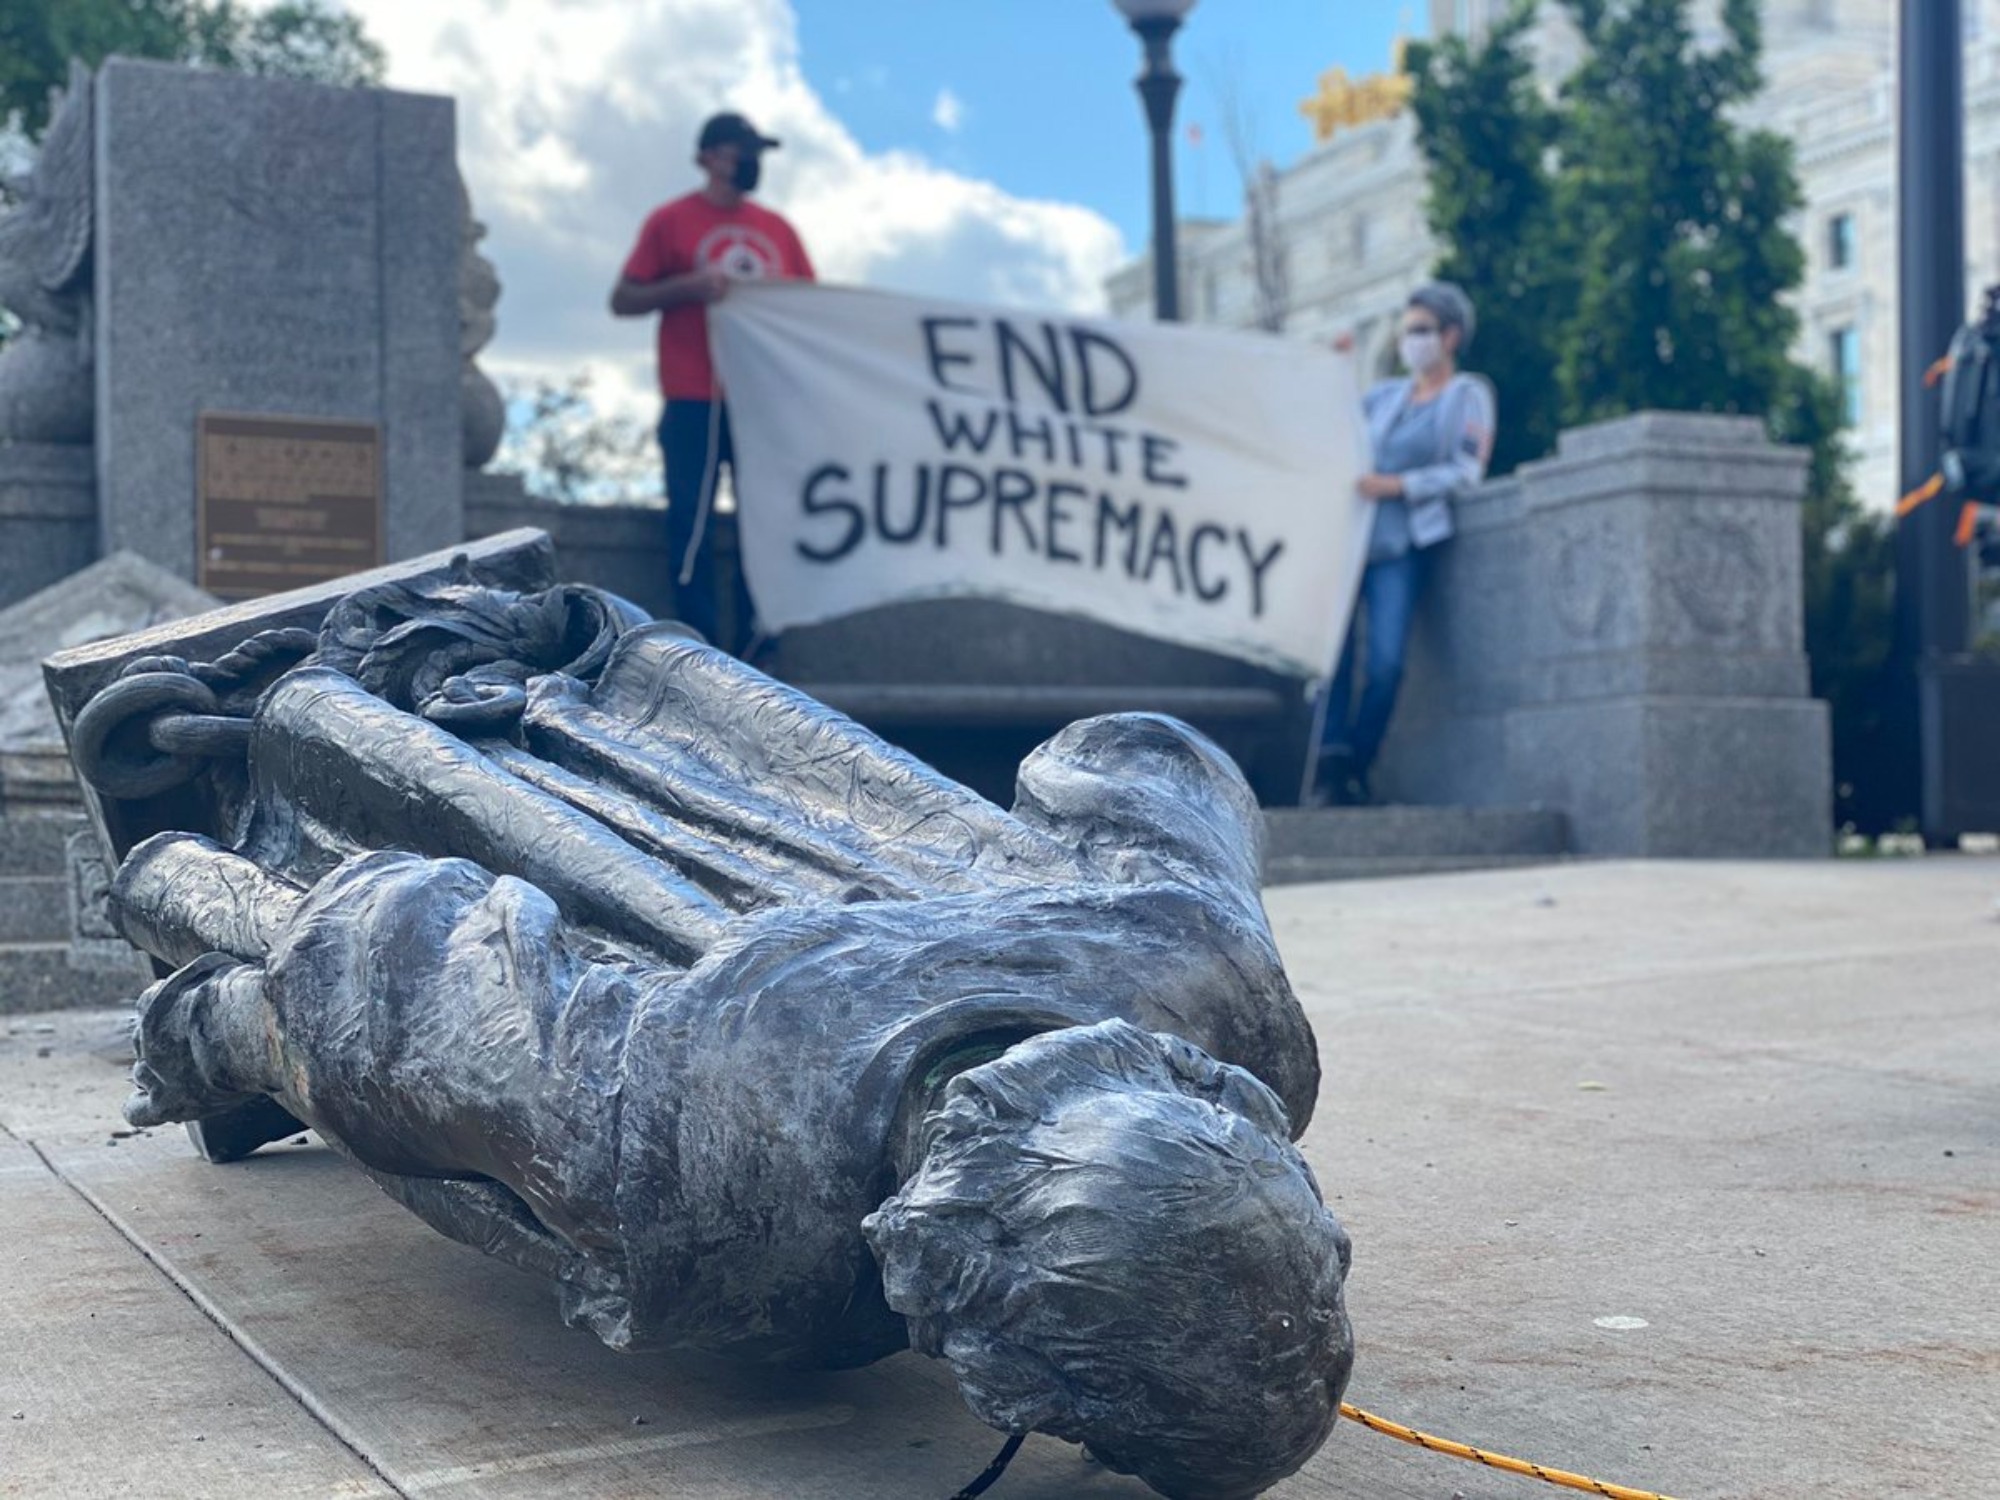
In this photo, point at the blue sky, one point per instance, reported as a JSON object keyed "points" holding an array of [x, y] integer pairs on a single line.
{"points": [[983, 150], [1044, 86]]}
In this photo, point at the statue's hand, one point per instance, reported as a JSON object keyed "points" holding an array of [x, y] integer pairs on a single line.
{"points": [[203, 1043]]}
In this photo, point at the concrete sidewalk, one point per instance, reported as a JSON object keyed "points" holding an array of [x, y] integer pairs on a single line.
{"points": [[1684, 1176]]}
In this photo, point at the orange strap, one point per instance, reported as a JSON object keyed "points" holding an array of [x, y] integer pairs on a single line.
{"points": [[1919, 495], [1968, 513]]}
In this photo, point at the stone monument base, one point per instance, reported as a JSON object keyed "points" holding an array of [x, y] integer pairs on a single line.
{"points": [[56, 948], [1710, 778], [48, 515]]}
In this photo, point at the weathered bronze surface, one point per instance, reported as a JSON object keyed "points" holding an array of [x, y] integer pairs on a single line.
{"points": [[613, 958], [282, 502]]}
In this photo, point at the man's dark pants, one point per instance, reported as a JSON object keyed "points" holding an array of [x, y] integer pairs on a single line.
{"points": [[685, 430]]}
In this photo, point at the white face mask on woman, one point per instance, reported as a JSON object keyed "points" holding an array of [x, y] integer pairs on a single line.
{"points": [[1421, 350]]}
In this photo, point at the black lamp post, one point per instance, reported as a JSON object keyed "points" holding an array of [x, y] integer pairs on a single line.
{"points": [[1951, 696], [1156, 21], [1932, 587]]}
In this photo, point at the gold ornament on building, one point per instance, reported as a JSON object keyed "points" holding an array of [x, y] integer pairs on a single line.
{"points": [[1343, 102]]}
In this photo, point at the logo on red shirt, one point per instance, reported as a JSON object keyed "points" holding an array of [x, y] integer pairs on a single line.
{"points": [[740, 252]]}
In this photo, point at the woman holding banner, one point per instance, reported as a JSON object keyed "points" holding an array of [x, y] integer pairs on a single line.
{"points": [[1430, 433]]}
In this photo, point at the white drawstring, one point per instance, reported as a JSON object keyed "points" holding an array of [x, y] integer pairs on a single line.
{"points": [[708, 477]]}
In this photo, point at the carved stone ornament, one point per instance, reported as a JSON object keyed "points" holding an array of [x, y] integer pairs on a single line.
{"points": [[1586, 586], [610, 956], [485, 412], [1719, 577], [46, 394]]}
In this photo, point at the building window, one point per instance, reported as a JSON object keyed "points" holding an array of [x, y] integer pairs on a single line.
{"points": [[1840, 241], [1357, 244], [1844, 346]]}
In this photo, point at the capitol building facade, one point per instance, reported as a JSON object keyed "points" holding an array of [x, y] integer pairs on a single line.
{"points": [[1349, 216]]}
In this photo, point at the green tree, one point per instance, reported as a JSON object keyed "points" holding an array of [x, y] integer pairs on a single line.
{"points": [[301, 39], [1486, 135], [564, 448], [295, 39], [1626, 241], [39, 37], [1675, 217]]}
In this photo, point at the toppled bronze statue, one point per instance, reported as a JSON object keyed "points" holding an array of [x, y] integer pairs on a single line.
{"points": [[612, 957]]}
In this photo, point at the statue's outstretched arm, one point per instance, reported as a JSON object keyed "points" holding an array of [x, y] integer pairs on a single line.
{"points": [[773, 777]]}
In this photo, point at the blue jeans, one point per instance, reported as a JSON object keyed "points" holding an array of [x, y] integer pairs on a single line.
{"points": [[1353, 732]]}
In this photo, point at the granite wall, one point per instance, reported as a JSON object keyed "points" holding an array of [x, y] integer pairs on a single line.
{"points": [[1618, 632], [622, 548]]}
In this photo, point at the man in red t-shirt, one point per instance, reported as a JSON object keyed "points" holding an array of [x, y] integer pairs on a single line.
{"points": [[689, 251]]}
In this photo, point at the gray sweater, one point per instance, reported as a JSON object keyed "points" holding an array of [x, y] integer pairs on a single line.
{"points": [[1439, 447]]}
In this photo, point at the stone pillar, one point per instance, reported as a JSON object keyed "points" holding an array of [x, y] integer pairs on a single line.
{"points": [[1664, 701], [274, 248]]}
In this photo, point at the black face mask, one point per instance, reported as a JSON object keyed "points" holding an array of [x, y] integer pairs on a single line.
{"points": [[749, 168]]}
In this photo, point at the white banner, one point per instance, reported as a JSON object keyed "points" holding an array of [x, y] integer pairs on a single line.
{"points": [[1185, 483]]}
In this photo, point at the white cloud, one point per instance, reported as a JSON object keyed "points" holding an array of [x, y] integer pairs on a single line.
{"points": [[575, 120], [949, 111]]}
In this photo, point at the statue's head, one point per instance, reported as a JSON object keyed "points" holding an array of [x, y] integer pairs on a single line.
{"points": [[1111, 1239]]}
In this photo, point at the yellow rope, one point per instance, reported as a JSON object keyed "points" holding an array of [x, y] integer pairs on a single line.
{"points": [[1492, 1460]]}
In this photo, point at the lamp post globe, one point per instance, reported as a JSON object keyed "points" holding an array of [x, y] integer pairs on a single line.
{"points": [[1159, 85]]}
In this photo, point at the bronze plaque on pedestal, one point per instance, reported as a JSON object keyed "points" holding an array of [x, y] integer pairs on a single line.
{"points": [[282, 502]]}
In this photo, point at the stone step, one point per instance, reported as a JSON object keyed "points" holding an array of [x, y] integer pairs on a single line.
{"points": [[31, 843], [46, 976], [1348, 843]]}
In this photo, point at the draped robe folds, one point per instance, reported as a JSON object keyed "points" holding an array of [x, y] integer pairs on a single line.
{"points": [[640, 997]]}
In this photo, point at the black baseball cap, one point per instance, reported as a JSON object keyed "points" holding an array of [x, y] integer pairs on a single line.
{"points": [[731, 129]]}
